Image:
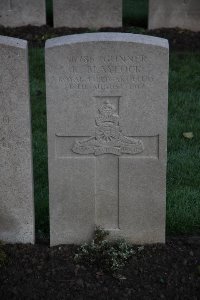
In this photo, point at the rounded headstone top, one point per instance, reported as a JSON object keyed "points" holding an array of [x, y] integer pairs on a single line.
{"points": [[13, 42], [107, 37]]}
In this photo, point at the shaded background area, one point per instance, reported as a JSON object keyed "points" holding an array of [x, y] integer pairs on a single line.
{"points": [[135, 12], [49, 9]]}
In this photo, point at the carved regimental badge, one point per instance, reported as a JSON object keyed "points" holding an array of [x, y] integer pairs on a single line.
{"points": [[108, 137]]}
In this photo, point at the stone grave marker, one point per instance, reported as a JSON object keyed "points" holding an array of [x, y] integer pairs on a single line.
{"points": [[87, 13], [16, 181], [174, 13], [107, 96], [15, 13]]}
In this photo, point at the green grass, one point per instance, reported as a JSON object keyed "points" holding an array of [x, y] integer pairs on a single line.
{"points": [[135, 12], [183, 179], [39, 131], [49, 8]]}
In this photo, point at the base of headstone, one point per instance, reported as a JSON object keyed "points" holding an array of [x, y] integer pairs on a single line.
{"points": [[15, 13], [87, 13], [184, 14]]}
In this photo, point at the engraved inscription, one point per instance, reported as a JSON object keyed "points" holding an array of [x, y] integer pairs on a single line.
{"points": [[108, 136], [106, 72]]}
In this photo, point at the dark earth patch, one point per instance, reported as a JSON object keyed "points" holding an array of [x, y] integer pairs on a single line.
{"points": [[181, 40], [170, 271]]}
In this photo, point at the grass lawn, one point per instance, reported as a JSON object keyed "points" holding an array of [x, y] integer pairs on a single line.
{"points": [[183, 179], [39, 131]]}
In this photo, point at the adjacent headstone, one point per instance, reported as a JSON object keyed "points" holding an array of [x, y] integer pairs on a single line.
{"points": [[15, 13], [107, 97], [16, 182], [87, 13], [174, 13]]}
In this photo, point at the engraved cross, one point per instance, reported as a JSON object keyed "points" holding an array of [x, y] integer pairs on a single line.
{"points": [[108, 145]]}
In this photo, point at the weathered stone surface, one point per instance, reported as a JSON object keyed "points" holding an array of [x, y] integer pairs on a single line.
{"points": [[174, 13], [87, 13], [16, 183], [107, 97], [22, 12]]}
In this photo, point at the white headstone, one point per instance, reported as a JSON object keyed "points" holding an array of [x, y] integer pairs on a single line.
{"points": [[174, 13], [15, 13], [87, 13], [107, 96], [16, 182]]}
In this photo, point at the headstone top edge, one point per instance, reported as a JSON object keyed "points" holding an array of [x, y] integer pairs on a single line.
{"points": [[107, 37], [13, 42]]}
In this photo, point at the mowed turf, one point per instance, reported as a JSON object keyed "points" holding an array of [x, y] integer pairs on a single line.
{"points": [[183, 174]]}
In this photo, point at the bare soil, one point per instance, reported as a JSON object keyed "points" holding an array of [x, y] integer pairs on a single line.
{"points": [[181, 40], [170, 271]]}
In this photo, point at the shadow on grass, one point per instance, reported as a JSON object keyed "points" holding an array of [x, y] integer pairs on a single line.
{"points": [[39, 132], [49, 10]]}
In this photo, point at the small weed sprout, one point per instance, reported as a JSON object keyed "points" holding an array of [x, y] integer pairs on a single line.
{"points": [[106, 255]]}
